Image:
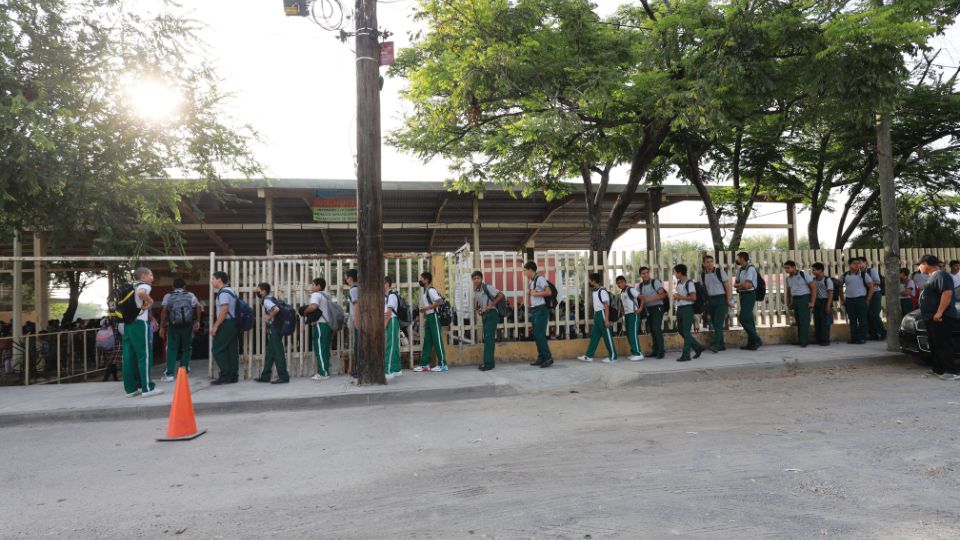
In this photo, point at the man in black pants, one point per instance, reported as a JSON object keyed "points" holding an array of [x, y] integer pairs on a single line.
{"points": [[938, 310]]}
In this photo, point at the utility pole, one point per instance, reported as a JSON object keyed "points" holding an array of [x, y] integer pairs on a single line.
{"points": [[369, 195], [889, 225]]}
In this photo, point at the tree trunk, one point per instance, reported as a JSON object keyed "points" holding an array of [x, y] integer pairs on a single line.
{"points": [[844, 234], [594, 203], [696, 178], [73, 282], [891, 232]]}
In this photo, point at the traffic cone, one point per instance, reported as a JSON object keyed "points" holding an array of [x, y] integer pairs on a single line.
{"points": [[183, 424]]}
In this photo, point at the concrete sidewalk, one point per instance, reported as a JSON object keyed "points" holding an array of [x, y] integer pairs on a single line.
{"points": [[100, 401]]}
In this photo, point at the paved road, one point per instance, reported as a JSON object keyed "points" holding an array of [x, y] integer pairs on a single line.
{"points": [[864, 453]]}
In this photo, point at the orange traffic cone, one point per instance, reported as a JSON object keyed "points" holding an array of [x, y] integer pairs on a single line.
{"points": [[183, 424]]}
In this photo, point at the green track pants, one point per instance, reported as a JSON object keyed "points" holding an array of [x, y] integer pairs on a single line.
{"points": [[432, 340], [490, 321], [321, 347], [226, 350], [137, 356], [179, 348], [274, 355], [601, 330]]}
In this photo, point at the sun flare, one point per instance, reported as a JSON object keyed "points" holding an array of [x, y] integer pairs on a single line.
{"points": [[153, 100]]}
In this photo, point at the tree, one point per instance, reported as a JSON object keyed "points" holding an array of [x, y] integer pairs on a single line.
{"points": [[75, 283], [926, 221], [76, 159]]}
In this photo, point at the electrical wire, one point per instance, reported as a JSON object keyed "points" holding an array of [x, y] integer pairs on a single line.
{"points": [[330, 16]]}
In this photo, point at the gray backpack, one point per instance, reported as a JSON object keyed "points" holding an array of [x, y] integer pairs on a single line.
{"points": [[180, 309], [335, 316]]}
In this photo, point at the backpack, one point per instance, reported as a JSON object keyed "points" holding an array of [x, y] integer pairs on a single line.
{"points": [[443, 311], [837, 289], [883, 281], [286, 318], [502, 309], [180, 309], [700, 303], [403, 309], [242, 313], [106, 338], [552, 299], [122, 303], [653, 285], [336, 318], [616, 306], [760, 287]]}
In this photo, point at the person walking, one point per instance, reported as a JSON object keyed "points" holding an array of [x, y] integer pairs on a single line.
{"points": [[857, 290], [601, 321], [430, 330], [179, 319], [938, 309], [685, 295], [908, 291], [876, 330], [746, 285], [226, 347], [391, 352], [274, 347], [823, 306], [539, 314], [801, 297], [720, 299], [318, 312], [653, 295], [632, 304], [138, 340], [353, 320], [487, 297]]}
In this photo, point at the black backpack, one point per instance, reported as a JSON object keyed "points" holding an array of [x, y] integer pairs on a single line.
{"points": [[552, 299], [403, 309], [286, 318], [700, 303], [616, 306], [760, 287], [444, 311], [502, 308], [180, 309], [122, 303]]}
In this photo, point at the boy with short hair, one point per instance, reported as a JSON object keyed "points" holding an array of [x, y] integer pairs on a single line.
{"points": [[320, 329], [720, 299], [653, 294], [138, 340], [685, 295], [876, 330], [487, 297], [746, 285], [274, 347], [226, 348], [353, 318], [632, 308], [176, 326], [857, 290], [430, 331], [823, 306], [801, 297], [908, 290], [601, 322], [391, 352], [539, 313]]}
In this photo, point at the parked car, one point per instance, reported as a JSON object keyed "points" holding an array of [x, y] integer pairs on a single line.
{"points": [[914, 339]]}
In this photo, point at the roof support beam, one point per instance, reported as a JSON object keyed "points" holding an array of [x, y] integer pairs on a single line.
{"points": [[441, 204], [552, 209], [501, 226], [211, 234]]}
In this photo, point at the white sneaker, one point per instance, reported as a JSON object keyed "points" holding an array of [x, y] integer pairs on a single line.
{"points": [[154, 392], [390, 376], [419, 369], [134, 394], [584, 358], [438, 369], [167, 378], [636, 358], [608, 360], [319, 377], [399, 373], [949, 377]]}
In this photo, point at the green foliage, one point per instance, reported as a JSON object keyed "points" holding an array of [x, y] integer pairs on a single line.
{"points": [[925, 221], [83, 311], [75, 157]]}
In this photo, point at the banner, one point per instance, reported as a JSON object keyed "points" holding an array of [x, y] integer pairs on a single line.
{"points": [[334, 206]]}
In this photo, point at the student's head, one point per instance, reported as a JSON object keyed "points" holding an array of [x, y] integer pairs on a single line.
{"points": [[954, 267], [790, 267], [179, 283], [904, 274], [708, 263], [818, 269], [262, 290], [854, 265], [426, 279], [644, 273], [680, 271], [743, 258], [863, 262], [622, 283], [477, 278], [387, 284], [351, 276], [219, 280], [318, 284], [929, 264], [594, 278], [143, 274], [530, 269]]}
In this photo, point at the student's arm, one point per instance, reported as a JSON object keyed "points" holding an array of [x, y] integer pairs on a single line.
{"points": [[945, 300], [221, 316], [387, 315], [197, 315], [163, 322], [813, 294], [271, 314], [606, 311], [870, 288], [729, 291], [145, 297], [830, 292], [663, 292]]}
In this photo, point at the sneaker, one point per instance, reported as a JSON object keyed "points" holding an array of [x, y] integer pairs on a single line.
{"points": [[636, 358], [950, 377], [134, 393], [584, 358], [439, 369], [399, 373], [389, 376], [319, 377], [420, 369], [154, 392], [608, 360]]}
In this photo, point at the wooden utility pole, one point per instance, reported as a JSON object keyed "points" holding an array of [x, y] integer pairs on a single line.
{"points": [[369, 209]]}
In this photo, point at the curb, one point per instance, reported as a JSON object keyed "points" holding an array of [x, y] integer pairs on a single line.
{"points": [[486, 390]]}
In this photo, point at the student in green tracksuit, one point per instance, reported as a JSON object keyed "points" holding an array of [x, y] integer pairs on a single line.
{"points": [[801, 297], [632, 304], [179, 319], [430, 330], [746, 285], [226, 347], [908, 289], [685, 295], [353, 320], [138, 340], [391, 351], [487, 297], [601, 321], [857, 292], [274, 350], [876, 330], [653, 295], [538, 313], [719, 299], [823, 307], [320, 329]]}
